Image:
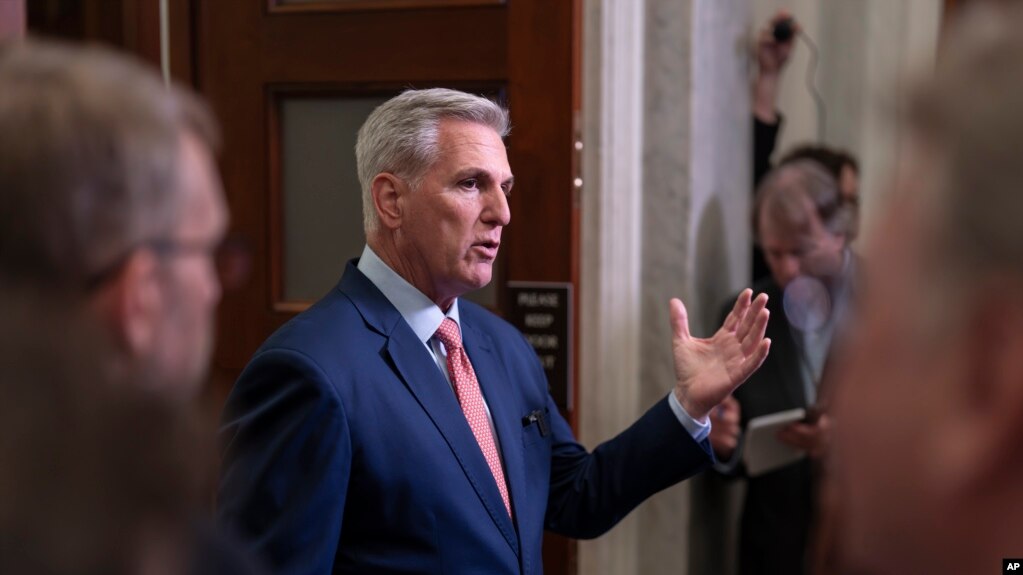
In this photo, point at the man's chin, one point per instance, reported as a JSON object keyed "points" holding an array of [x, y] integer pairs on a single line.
{"points": [[182, 381], [480, 276]]}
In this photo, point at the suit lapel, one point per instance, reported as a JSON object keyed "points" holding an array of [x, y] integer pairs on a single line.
{"points": [[434, 394], [417, 370], [494, 383], [785, 351]]}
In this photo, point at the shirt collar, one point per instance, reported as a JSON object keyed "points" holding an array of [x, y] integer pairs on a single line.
{"points": [[419, 312]]}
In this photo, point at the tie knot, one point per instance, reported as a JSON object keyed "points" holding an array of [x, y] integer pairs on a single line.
{"points": [[448, 334]]}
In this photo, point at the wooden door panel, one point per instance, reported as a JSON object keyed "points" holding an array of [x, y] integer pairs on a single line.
{"points": [[249, 54], [422, 45], [291, 6], [244, 55]]}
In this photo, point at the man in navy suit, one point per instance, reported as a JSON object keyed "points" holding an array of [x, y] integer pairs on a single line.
{"points": [[395, 428]]}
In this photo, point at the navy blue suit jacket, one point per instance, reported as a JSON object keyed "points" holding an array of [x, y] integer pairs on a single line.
{"points": [[346, 450]]}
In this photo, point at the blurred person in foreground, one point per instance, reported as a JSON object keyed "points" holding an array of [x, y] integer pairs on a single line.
{"points": [[929, 410], [96, 477], [395, 427], [111, 198], [801, 222], [113, 206]]}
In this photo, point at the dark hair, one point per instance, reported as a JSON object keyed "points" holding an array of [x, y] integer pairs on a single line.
{"points": [[833, 159]]}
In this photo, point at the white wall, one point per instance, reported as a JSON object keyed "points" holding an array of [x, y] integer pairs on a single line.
{"points": [[720, 180], [867, 48], [609, 293], [665, 204], [665, 197]]}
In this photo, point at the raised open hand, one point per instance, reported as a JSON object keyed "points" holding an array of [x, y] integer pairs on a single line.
{"points": [[773, 55], [708, 370]]}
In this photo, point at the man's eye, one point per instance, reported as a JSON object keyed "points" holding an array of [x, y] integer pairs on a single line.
{"points": [[506, 189], [470, 183]]}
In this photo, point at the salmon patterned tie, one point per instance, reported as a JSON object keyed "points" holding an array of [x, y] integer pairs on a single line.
{"points": [[467, 388]]}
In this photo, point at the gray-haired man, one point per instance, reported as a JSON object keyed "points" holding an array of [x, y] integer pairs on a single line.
{"points": [[396, 428]]}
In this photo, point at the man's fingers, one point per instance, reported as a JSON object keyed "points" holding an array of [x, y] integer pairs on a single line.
{"points": [[724, 414], [723, 445], [789, 437], [730, 418], [750, 318], [728, 443], [824, 423], [730, 404], [801, 429], [742, 303], [800, 435], [756, 335], [679, 318], [753, 362]]}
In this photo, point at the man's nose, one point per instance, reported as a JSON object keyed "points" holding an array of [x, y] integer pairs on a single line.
{"points": [[213, 286], [497, 210], [791, 267]]}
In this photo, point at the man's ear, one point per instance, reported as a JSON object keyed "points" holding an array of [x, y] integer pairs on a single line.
{"points": [[991, 393], [387, 190], [132, 305]]}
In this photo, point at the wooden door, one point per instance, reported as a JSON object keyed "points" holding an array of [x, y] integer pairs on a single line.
{"points": [[268, 67]]}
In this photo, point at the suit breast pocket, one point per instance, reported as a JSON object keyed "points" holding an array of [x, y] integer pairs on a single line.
{"points": [[536, 427]]}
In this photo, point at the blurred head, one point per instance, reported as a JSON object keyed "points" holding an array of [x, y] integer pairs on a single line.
{"points": [[931, 401], [111, 195], [843, 167], [839, 163], [801, 222], [96, 477], [435, 179]]}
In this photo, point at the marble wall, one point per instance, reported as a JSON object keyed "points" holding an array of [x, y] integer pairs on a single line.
{"points": [[666, 199], [869, 51], [666, 172]]}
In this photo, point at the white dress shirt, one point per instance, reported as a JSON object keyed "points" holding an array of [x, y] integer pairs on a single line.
{"points": [[424, 317]]}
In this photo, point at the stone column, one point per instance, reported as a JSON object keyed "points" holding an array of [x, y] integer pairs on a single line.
{"points": [[611, 248], [665, 200]]}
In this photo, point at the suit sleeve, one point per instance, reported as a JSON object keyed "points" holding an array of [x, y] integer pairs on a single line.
{"points": [[765, 136], [590, 492], [287, 461]]}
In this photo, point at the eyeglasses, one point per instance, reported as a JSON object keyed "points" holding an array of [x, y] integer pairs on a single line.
{"points": [[232, 259]]}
